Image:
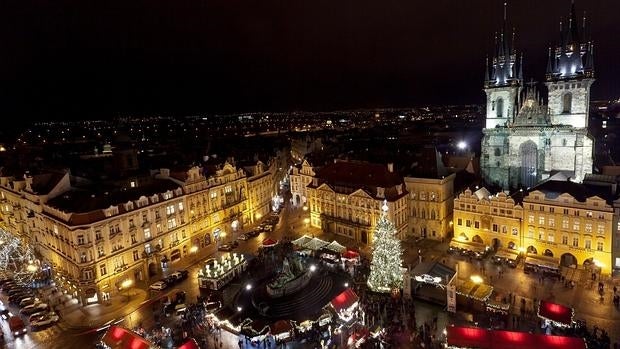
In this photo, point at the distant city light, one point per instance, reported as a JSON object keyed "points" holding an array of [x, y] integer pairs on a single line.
{"points": [[462, 145]]}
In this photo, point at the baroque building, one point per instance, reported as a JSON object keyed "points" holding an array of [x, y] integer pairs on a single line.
{"points": [[430, 206], [300, 176], [96, 236], [573, 224], [527, 136], [345, 198]]}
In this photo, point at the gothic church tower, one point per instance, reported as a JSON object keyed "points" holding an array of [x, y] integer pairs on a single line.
{"points": [[525, 140]]}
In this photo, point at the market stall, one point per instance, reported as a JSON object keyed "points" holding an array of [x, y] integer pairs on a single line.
{"points": [[468, 247], [315, 244], [117, 337], [268, 242], [256, 330], [301, 241], [345, 305], [329, 257], [474, 337], [281, 329], [548, 266], [336, 247], [556, 314], [219, 272], [508, 256], [429, 280], [474, 295]]}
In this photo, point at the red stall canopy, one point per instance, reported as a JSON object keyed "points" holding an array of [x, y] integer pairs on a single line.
{"points": [[344, 300], [120, 338], [350, 255], [468, 337], [190, 344], [269, 242], [560, 314]]}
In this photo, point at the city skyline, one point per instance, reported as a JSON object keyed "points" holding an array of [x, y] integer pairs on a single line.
{"points": [[101, 60]]}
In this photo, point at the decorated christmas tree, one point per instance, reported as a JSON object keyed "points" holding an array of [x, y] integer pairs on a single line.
{"points": [[385, 267]]}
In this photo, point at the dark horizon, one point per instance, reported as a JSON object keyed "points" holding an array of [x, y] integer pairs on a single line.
{"points": [[86, 60]]}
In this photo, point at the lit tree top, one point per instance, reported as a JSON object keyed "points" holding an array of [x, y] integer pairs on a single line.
{"points": [[385, 267]]}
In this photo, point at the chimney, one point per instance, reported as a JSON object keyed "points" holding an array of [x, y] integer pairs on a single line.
{"points": [[390, 167]]}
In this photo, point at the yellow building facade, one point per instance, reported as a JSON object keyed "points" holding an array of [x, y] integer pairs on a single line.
{"points": [[430, 207], [575, 230], [94, 253], [493, 220], [345, 198]]}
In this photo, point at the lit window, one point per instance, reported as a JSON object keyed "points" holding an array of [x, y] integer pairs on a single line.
{"points": [[599, 246], [575, 242], [588, 244]]}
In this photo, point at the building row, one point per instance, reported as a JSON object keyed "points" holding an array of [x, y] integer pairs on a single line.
{"points": [[99, 237]]}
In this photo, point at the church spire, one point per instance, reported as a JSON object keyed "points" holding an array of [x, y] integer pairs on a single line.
{"points": [[486, 71], [503, 63], [520, 76], [550, 60]]}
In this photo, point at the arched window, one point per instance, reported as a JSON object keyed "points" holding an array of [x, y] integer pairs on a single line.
{"points": [[567, 100], [433, 214], [499, 108], [498, 152]]}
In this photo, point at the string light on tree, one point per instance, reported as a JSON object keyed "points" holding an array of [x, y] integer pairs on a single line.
{"points": [[385, 268]]}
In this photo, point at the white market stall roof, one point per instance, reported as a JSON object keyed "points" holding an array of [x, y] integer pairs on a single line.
{"points": [[302, 241], [336, 247], [315, 244]]}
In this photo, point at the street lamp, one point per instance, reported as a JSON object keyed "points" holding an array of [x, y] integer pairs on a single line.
{"points": [[234, 225], [248, 287], [193, 251], [126, 284]]}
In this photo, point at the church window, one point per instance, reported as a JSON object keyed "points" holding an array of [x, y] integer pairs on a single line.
{"points": [[567, 99], [500, 108], [498, 152]]}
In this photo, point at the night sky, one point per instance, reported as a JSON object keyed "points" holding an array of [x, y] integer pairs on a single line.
{"points": [[82, 59]]}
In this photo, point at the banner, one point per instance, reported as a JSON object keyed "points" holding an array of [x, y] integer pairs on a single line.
{"points": [[451, 293]]}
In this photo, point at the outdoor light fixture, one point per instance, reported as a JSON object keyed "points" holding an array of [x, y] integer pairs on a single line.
{"points": [[239, 309], [248, 287], [476, 279], [193, 249], [313, 267], [462, 145], [126, 283], [346, 284]]}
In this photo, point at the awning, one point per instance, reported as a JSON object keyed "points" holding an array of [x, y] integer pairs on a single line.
{"points": [[315, 244], [335, 246], [344, 300], [350, 255], [280, 326], [469, 245], [190, 344], [468, 337], [559, 314], [507, 254], [257, 327], [301, 241], [543, 261], [269, 242], [120, 338], [479, 292]]}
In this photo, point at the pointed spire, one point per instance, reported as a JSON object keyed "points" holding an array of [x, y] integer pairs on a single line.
{"points": [[520, 76], [486, 70], [550, 62], [574, 27], [589, 66]]}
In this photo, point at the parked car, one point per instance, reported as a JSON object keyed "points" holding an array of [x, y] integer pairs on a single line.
{"points": [[254, 233], [170, 280], [16, 298], [180, 275], [27, 301], [159, 285], [44, 321], [268, 227], [243, 237], [37, 315], [226, 247], [34, 308], [17, 325]]}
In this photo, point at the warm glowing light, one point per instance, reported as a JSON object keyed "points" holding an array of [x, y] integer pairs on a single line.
{"points": [[346, 284], [305, 208], [193, 249], [248, 287], [476, 279], [598, 263], [32, 268], [235, 224], [259, 216], [239, 309], [313, 267], [126, 283], [521, 249], [306, 220]]}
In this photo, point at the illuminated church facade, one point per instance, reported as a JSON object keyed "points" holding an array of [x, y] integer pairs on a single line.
{"points": [[527, 137]]}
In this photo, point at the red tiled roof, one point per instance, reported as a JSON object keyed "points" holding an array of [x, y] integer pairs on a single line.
{"points": [[359, 174]]}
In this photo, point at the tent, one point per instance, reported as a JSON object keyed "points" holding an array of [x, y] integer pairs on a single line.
{"points": [[559, 315], [269, 242], [474, 337], [336, 247], [350, 255], [315, 244], [190, 344], [280, 327], [301, 241], [117, 337], [344, 300]]}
